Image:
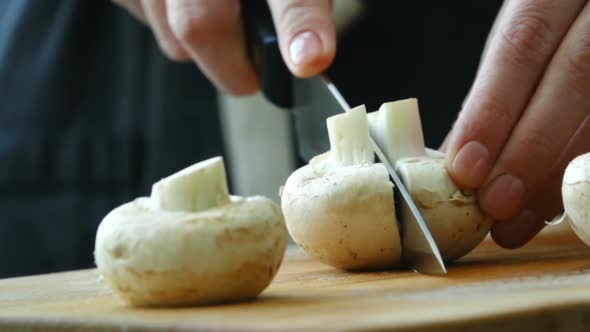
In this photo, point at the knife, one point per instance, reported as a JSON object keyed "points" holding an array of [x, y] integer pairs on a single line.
{"points": [[316, 98]]}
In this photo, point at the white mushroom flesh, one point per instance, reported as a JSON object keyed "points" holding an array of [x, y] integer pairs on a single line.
{"points": [[453, 216]]}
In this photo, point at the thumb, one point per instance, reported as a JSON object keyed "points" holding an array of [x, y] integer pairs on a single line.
{"points": [[306, 33]]}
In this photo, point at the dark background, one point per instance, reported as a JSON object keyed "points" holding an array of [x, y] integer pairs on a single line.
{"points": [[92, 113], [424, 49]]}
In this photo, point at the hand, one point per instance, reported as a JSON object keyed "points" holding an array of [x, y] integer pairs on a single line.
{"points": [[210, 34], [526, 115]]}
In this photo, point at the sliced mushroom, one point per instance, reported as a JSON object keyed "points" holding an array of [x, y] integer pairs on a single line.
{"points": [[339, 208], [453, 216]]}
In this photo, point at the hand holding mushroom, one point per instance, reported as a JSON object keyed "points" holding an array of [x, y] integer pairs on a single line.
{"points": [[339, 208]]}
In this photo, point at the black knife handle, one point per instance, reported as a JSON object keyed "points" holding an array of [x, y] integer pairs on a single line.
{"points": [[276, 81]]}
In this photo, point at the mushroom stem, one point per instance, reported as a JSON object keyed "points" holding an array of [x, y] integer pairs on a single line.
{"points": [[349, 138], [398, 128], [196, 188]]}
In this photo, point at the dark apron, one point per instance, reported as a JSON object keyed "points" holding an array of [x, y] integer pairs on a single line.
{"points": [[91, 114]]}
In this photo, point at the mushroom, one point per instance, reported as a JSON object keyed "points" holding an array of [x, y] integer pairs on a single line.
{"points": [[191, 242], [339, 208], [575, 191], [452, 215]]}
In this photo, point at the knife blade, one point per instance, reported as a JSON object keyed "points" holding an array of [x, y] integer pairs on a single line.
{"points": [[315, 99], [422, 254]]}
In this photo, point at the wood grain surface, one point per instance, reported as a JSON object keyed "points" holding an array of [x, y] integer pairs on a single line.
{"points": [[544, 286]]}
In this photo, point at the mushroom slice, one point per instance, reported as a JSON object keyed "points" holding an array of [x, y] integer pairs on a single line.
{"points": [[452, 215]]}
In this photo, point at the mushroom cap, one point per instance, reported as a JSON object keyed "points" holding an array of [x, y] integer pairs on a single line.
{"points": [[575, 191], [453, 216], [343, 216], [154, 257]]}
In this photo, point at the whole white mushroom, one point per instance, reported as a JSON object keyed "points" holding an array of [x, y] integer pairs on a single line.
{"points": [[190, 242], [575, 191]]}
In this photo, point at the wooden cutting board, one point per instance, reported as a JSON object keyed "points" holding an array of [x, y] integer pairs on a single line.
{"points": [[544, 286]]}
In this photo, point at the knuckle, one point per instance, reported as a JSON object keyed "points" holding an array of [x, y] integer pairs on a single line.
{"points": [[192, 28], [499, 112], [578, 61], [539, 145], [493, 110], [527, 36], [173, 53], [292, 9], [295, 14]]}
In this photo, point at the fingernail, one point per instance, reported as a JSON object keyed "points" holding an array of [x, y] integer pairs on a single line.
{"points": [[503, 197], [516, 232], [305, 47], [471, 164]]}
